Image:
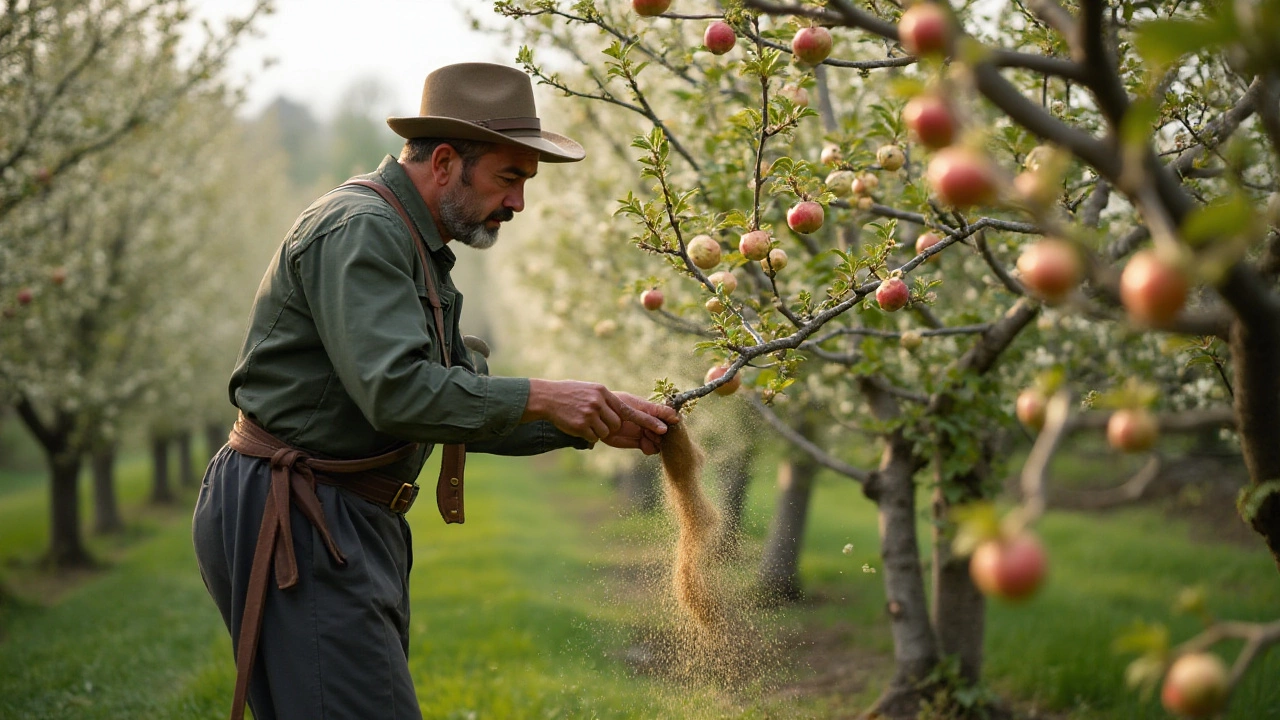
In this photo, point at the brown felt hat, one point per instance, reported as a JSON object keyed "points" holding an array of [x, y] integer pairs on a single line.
{"points": [[482, 101]]}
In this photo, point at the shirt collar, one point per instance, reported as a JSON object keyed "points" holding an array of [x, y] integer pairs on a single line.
{"points": [[394, 176]]}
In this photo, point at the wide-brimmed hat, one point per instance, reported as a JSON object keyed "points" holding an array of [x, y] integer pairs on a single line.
{"points": [[482, 101]]}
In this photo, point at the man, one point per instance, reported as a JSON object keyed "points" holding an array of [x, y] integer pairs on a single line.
{"points": [[352, 369]]}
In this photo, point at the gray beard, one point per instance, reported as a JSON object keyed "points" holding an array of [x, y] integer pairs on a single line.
{"points": [[466, 226]]}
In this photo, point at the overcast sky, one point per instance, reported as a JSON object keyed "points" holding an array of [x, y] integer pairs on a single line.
{"points": [[320, 47]]}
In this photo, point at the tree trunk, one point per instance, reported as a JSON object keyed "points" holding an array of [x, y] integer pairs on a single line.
{"points": [[735, 478], [66, 541], [1256, 391], [106, 509], [215, 436], [959, 608], [638, 483], [780, 566], [161, 492], [186, 472]]}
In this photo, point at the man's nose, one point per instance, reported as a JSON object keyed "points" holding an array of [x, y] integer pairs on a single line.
{"points": [[515, 199]]}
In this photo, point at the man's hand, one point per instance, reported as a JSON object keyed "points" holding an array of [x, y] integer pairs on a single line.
{"points": [[591, 412]]}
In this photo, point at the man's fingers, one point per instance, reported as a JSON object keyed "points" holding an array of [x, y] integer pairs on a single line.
{"points": [[611, 420], [644, 420]]}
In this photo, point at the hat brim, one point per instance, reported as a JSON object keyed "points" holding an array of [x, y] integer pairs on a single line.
{"points": [[552, 147]]}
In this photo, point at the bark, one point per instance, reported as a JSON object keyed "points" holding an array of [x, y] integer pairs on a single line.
{"points": [[1255, 348], [106, 509], [66, 541], [780, 566], [959, 608], [915, 649], [735, 478], [161, 489], [186, 471], [638, 483]]}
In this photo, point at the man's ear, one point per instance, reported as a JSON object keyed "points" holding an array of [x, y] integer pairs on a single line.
{"points": [[444, 162]]}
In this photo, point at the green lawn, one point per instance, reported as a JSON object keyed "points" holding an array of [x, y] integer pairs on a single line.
{"points": [[539, 606]]}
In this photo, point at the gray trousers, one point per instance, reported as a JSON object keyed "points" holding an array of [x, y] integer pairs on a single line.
{"points": [[335, 646]]}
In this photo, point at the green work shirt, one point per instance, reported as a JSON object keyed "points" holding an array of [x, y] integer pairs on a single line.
{"points": [[341, 358]]}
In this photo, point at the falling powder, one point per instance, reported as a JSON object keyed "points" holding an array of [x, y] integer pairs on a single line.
{"points": [[698, 520]]}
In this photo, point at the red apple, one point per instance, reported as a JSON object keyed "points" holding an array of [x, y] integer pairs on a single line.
{"points": [[890, 157], [1010, 568], [805, 217], [1152, 291], [962, 177], [58, 275], [893, 294], [926, 241], [925, 29], [776, 261], [725, 278], [755, 245], [25, 296], [704, 251], [812, 45], [931, 119], [649, 8], [729, 387], [1132, 430], [719, 37], [1030, 408], [651, 299], [1051, 269], [1196, 686]]}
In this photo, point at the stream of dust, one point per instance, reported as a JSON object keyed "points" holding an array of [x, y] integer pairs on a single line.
{"points": [[699, 524]]}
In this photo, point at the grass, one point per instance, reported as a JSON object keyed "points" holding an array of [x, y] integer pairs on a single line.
{"points": [[531, 608]]}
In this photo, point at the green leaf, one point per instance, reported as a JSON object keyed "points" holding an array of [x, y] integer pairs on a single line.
{"points": [[1135, 128], [1223, 219], [1162, 42]]}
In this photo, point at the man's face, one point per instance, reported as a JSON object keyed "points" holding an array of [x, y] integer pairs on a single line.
{"points": [[474, 205]]}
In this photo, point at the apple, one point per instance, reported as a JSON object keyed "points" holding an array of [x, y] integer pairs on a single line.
{"points": [[1196, 686], [58, 275], [893, 294], [719, 37], [962, 177], [926, 241], [25, 296], [1051, 268], [776, 261], [891, 157], [1132, 430], [1035, 188], [714, 305], [830, 154], [1009, 568], [863, 184], [725, 278], [704, 251], [1030, 408], [812, 45], [1152, 290], [1037, 158], [930, 118], [805, 217], [910, 340], [755, 245], [650, 8], [840, 183], [796, 94], [865, 203], [605, 328], [925, 29], [729, 387], [651, 299]]}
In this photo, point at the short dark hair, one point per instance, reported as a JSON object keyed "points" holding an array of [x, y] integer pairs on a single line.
{"points": [[419, 150]]}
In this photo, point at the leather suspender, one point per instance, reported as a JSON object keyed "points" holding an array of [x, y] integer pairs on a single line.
{"points": [[453, 458]]}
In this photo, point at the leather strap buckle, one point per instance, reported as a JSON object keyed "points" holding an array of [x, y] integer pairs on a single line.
{"points": [[404, 498]]}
